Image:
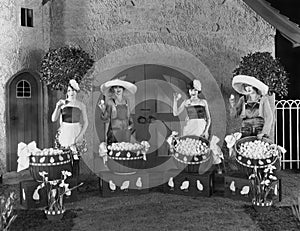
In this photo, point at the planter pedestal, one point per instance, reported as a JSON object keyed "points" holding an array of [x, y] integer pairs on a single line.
{"points": [[262, 207], [54, 215]]}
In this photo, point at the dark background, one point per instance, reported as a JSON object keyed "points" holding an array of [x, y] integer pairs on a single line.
{"points": [[289, 56]]}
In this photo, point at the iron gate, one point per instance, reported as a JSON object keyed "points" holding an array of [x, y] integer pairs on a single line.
{"points": [[287, 132]]}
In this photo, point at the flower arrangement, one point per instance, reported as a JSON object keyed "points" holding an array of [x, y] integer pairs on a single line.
{"points": [[56, 190], [6, 209], [65, 63], [267, 69], [261, 184]]}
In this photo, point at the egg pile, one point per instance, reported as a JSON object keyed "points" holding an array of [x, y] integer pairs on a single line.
{"points": [[48, 152], [257, 149], [125, 146], [191, 147]]}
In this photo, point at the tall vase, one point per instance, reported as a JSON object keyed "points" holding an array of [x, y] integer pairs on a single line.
{"points": [[262, 207]]}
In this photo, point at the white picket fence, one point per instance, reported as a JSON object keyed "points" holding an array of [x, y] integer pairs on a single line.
{"points": [[287, 132]]}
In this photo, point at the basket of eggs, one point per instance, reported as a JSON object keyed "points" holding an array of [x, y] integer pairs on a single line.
{"points": [[253, 152], [52, 161], [125, 157], [189, 152]]}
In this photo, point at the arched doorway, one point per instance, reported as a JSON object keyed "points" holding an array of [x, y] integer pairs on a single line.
{"points": [[23, 114], [163, 55], [152, 107]]}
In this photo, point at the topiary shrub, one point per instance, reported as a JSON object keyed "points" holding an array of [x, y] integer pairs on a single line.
{"points": [[65, 63], [267, 69]]}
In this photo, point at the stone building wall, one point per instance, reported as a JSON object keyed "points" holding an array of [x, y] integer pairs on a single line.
{"points": [[20, 48], [216, 32]]}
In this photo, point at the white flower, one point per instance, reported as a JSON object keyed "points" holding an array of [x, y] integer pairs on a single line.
{"points": [[252, 176], [270, 168], [272, 177], [43, 173], [53, 193], [54, 182], [66, 174], [68, 193], [265, 182]]}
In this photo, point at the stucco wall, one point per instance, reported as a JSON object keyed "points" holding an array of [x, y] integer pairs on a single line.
{"points": [[20, 48], [216, 32]]}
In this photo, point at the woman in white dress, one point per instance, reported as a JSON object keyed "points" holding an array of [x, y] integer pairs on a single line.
{"points": [[71, 112]]}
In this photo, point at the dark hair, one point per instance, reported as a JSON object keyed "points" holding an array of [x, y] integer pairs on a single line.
{"points": [[66, 89], [190, 85], [111, 89]]}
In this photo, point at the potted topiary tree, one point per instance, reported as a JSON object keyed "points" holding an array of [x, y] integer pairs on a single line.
{"points": [[65, 63], [58, 67], [269, 70]]}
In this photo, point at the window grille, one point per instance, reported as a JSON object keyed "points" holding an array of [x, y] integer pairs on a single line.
{"points": [[23, 89]]}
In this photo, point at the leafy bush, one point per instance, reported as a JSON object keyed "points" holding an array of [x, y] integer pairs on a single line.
{"points": [[65, 63], [6, 210], [267, 69], [296, 208]]}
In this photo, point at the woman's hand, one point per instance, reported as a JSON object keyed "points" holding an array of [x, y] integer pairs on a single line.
{"points": [[206, 135], [232, 100], [60, 103], [102, 105], [260, 136], [177, 96]]}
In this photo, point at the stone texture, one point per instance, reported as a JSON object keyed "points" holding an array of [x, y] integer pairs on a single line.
{"points": [[21, 48], [216, 33]]}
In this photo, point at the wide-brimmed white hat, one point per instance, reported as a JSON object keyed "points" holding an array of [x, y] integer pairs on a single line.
{"points": [[239, 81], [130, 87]]}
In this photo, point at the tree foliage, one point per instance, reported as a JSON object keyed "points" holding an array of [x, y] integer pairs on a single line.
{"points": [[267, 69], [65, 63]]}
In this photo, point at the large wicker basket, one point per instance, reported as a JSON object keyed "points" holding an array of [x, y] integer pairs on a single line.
{"points": [[246, 162], [52, 164], [191, 163]]}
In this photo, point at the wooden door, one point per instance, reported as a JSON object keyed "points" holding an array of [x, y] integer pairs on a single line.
{"points": [[152, 111], [22, 117]]}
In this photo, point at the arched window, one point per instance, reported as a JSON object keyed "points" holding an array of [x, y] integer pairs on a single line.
{"points": [[23, 89]]}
